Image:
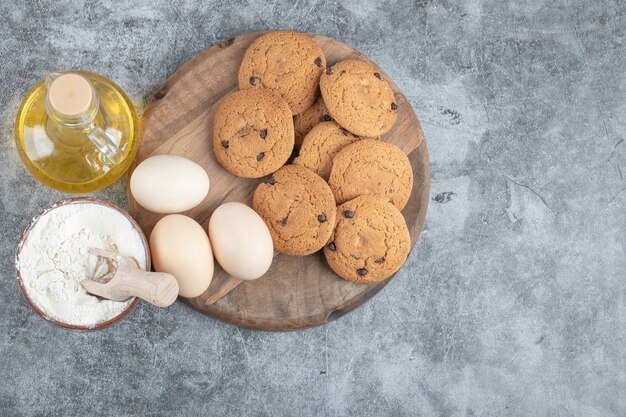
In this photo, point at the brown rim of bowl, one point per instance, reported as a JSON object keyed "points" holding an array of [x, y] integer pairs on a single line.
{"points": [[24, 236]]}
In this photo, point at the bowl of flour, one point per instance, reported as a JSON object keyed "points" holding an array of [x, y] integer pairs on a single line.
{"points": [[52, 259]]}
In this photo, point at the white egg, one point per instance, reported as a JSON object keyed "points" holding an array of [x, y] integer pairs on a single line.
{"points": [[241, 241], [169, 184], [181, 247]]}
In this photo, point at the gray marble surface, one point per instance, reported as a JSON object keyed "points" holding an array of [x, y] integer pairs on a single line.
{"points": [[511, 304]]}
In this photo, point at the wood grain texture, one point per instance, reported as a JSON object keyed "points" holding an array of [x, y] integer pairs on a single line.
{"points": [[296, 292]]}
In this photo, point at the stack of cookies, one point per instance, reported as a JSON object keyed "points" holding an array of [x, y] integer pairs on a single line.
{"points": [[345, 189]]}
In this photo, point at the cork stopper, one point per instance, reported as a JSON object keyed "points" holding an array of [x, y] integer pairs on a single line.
{"points": [[70, 95]]}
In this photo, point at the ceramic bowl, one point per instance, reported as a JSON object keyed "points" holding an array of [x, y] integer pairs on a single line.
{"points": [[24, 238]]}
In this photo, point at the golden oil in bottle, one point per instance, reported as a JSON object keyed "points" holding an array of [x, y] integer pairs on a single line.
{"points": [[77, 132]]}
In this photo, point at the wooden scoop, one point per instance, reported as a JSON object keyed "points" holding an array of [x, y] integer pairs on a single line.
{"points": [[124, 279]]}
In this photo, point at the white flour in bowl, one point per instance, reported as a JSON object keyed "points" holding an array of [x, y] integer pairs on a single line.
{"points": [[54, 259]]}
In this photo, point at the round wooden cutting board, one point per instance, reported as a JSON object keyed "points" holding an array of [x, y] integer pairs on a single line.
{"points": [[296, 292]]}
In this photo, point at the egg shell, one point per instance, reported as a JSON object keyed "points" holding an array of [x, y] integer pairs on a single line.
{"points": [[169, 184], [241, 241], [181, 247]]}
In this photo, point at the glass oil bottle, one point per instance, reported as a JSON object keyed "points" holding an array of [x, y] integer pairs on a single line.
{"points": [[77, 132]]}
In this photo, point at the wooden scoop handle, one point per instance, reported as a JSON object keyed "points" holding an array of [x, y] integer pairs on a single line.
{"points": [[157, 288]]}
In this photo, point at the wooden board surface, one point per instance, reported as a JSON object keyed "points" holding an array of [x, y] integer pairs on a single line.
{"points": [[296, 292]]}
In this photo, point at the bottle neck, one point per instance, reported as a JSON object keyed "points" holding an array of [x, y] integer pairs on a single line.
{"points": [[72, 102]]}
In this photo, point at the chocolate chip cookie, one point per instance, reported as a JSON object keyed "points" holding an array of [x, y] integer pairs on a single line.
{"points": [[359, 98], [372, 167], [370, 242], [298, 208], [289, 63], [304, 122], [253, 133], [321, 145]]}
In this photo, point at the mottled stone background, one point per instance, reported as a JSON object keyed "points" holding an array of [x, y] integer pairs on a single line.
{"points": [[511, 304]]}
